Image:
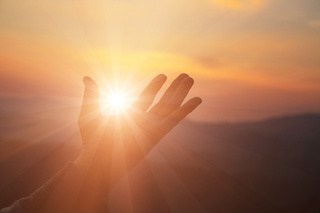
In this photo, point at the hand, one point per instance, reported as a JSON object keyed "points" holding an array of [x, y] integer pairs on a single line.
{"points": [[123, 141]]}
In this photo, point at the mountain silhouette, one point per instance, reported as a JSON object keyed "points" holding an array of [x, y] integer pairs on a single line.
{"points": [[265, 166]]}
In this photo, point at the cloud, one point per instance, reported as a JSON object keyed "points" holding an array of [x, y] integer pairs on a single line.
{"points": [[239, 4]]}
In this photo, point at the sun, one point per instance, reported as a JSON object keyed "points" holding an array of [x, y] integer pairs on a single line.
{"points": [[115, 102]]}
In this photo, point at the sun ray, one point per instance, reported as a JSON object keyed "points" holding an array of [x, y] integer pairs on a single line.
{"points": [[44, 156]]}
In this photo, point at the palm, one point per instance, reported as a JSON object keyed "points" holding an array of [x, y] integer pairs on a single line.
{"points": [[126, 139]]}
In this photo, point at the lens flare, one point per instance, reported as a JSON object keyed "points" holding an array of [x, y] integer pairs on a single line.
{"points": [[115, 102]]}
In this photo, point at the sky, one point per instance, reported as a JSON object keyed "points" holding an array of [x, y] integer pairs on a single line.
{"points": [[251, 59]]}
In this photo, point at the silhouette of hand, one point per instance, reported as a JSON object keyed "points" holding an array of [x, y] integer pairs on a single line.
{"points": [[124, 140], [111, 147]]}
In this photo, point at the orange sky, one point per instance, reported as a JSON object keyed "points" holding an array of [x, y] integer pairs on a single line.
{"points": [[251, 59]]}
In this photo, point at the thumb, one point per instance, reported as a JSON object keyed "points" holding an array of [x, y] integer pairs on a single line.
{"points": [[90, 103]]}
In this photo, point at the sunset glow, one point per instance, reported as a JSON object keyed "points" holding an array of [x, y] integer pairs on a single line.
{"points": [[160, 106], [263, 51]]}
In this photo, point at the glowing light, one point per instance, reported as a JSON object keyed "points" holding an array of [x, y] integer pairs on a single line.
{"points": [[115, 102]]}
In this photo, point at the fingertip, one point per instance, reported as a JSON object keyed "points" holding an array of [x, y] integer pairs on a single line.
{"points": [[89, 82], [197, 100], [183, 75], [85, 79], [161, 77], [189, 81]]}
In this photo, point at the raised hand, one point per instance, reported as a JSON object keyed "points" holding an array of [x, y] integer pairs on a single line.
{"points": [[111, 147], [134, 133]]}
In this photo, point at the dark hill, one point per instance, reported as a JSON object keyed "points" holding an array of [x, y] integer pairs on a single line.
{"points": [[267, 166]]}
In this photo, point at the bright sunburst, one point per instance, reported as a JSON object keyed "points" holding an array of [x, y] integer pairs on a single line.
{"points": [[115, 102]]}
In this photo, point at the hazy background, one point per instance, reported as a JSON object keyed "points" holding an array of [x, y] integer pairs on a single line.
{"points": [[251, 59], [254, 61]]}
